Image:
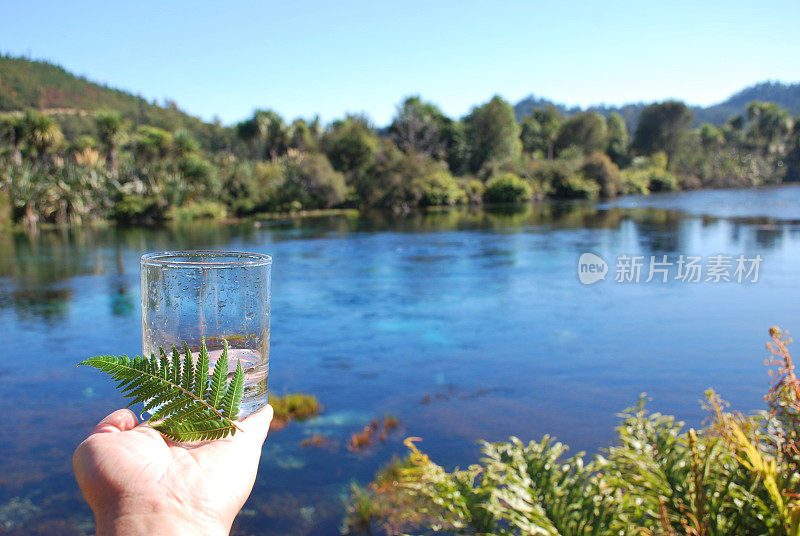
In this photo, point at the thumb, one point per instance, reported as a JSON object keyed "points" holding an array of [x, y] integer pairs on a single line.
{"points": [[118, 421], [256, 425]]}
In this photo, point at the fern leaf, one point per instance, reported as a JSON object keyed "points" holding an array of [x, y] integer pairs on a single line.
{"points": [[202, 431], [166, 404], [176, 365], [187, 404], [162, 359], [188, 370], [217, 387], [201, 371], [176, 406], [230, 402]]}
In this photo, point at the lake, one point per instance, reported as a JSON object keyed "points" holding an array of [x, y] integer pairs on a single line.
{"points": [[465, 324]]}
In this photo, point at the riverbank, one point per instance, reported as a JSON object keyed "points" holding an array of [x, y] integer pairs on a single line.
{"points": [[720, 202]]}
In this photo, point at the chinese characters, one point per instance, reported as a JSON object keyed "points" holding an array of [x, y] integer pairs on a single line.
{"points": [[688, 269]]}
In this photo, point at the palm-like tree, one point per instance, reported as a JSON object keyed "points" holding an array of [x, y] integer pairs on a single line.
{"points": [[184, 143], [301, 136], [769, 125], [152, 143], [41, 133], [12, 131], [111, 130], [265, 128], [26, 188]]}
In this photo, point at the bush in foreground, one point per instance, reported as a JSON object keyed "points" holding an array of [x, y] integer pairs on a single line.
{"points": [[736, 476]]}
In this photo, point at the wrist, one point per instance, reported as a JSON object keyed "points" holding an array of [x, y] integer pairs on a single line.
{"points": [[155, 520]]}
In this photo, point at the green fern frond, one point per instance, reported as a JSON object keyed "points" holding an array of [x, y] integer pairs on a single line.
{"points": [[230, 402], [187, 403]]}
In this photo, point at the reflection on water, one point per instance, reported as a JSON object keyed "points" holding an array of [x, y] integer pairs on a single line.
{"points": [[465, 323]]}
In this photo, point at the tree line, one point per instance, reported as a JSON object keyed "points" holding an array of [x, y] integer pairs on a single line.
{"points": [[423, 158]]}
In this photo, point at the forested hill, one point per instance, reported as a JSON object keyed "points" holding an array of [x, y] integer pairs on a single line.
{"points": [[41, 85], [72, 151], [784, 95], [36, 84]]}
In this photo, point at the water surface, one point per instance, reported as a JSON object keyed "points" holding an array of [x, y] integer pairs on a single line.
{"points": [[465, 324]]}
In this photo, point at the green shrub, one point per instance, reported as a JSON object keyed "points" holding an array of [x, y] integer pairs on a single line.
{"points": [[634, 182], [576, 187], [134, 209], [651, 171], [310, 180], [250, 187], [198, 210], [473, 189], [548, 174], [438, 188], [201, 175], [662, 180], [507, 188], [6, 210], [571, 153], [599, 168]]}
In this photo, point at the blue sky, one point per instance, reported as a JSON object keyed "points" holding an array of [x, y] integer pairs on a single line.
{"points": [[303, 58]]}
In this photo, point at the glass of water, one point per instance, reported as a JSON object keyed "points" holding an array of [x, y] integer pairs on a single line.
{"points": [[215, 296]]}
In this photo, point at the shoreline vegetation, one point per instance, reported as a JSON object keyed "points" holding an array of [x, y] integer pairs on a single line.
{"points": [[134, 163], [736, 475]]}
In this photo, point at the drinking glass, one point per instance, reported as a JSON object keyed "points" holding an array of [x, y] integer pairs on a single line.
{"points": [[215, 296]]}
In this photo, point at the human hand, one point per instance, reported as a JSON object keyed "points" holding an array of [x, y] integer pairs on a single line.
{"points": [[138, 482]]}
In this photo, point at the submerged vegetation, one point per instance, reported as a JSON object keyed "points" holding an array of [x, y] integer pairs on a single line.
{"points": [[377, 429], [737, 475], [293, 406], [137, 163]]}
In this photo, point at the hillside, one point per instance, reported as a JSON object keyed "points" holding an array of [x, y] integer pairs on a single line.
{"points": [[785, 95], [28, 83], [42, 85]]}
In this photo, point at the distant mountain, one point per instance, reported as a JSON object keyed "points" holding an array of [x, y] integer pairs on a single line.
{"points": [[26, 83], [42, 85], [785, 95]]}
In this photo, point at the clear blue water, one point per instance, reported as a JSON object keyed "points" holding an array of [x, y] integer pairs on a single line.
{"points": [[465, 324]]}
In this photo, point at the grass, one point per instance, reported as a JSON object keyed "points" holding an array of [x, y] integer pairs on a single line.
{"points": [[380, 505], [391, 473], [361, 511]]}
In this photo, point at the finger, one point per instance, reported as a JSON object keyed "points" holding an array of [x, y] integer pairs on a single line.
{"points": [[256, 425], [119, 421]]}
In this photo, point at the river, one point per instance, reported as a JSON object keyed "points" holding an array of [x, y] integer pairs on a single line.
{"points": [[465, 324]]}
